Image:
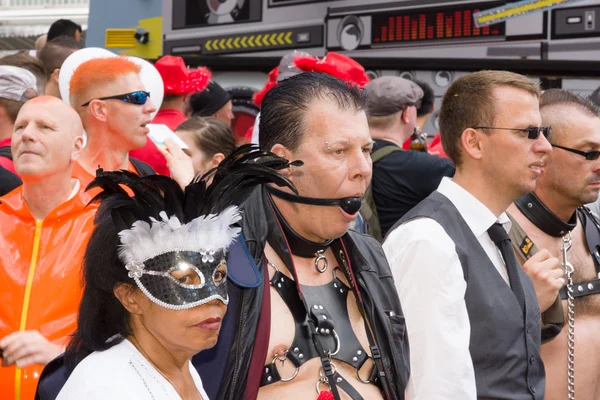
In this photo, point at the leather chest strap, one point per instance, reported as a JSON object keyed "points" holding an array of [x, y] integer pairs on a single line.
{"points": [[582, 289]]}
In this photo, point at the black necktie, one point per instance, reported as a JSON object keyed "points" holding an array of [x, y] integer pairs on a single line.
{"points": [[500, 238]]}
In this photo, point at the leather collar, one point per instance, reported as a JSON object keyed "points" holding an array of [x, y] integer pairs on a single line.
{"points": [[542, 217], [299, 246]]}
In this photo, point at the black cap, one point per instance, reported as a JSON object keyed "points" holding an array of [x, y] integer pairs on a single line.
{"points": [[208, 101]]}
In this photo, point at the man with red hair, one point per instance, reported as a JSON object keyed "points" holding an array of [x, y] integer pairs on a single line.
{"points": [[115, 108]]}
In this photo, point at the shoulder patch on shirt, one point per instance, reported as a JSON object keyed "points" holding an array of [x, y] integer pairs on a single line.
{"points": [[526, 245]]}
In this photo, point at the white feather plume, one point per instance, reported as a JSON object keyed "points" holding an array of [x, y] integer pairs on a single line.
{"points": [[211, 232]]}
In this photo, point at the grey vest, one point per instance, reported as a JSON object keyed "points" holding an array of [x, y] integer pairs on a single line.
{"points": [[504, 347]]}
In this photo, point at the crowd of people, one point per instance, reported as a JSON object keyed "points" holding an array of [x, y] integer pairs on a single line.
{"points": [[327, 260]]}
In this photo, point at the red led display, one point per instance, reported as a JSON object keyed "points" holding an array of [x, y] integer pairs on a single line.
{"points": [[432, 25]]}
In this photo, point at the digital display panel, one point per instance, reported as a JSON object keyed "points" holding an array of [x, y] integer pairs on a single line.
{"points": [[274, 3], [196, 13], [447, 24]]}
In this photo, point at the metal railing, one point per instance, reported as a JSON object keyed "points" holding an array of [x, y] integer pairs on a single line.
{"points": [[43, 3]]}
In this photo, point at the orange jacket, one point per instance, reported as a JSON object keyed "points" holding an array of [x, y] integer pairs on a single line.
{"points": [[40, 277]]}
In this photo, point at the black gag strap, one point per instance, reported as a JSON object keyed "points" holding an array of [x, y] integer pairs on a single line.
{"points": [[351, 205]]}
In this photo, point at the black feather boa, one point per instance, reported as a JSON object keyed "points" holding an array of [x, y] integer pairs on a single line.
{"points": [[232, 182]]}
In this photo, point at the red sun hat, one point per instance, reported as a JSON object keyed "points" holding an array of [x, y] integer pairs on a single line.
{"points": [[180, 80], [336, 65]]}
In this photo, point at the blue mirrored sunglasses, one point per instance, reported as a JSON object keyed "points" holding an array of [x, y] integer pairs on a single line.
{"points": [[138, 98]]}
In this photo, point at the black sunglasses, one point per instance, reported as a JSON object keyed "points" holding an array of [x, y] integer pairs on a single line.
{"points": [[138, 98], [533, 132], [589, 155]]}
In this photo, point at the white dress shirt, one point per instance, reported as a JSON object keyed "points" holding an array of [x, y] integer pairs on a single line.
{"points": [[430, 282], [121, 373]]}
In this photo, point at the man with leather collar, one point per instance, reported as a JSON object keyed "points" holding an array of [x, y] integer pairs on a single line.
{"points": [[320, 313], [553, 216]]}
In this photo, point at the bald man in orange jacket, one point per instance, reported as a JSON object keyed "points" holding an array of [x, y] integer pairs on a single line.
{"points": [[44, 229]]}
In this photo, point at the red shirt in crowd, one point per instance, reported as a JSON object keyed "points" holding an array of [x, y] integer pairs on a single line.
{"points": [[5, 161], [434, 147], [171, 118], [149, 153]]}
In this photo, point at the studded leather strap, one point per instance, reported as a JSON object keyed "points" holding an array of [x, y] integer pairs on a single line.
{"points": [[582, 289]]}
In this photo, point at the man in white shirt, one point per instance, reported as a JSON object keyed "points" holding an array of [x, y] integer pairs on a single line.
{"points": [[472, 314]]}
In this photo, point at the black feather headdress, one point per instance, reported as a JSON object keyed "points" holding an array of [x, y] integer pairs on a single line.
{"points": [[152, 213]]}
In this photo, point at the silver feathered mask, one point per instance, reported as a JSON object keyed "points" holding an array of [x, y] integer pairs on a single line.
{"points": [[174, 242]]}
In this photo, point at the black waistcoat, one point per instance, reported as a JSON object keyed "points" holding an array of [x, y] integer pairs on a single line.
{"points": [[504, 346]]}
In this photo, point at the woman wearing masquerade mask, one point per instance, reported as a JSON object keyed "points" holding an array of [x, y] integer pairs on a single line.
{"points": [[155, 279]]}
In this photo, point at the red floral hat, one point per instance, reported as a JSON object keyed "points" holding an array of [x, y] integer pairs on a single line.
{"points": [[334, 64], [180, 80], [270, 84]]}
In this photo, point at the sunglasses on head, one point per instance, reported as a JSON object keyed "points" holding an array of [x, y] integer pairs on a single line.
{"points": [[533, 132], [138, 98]]}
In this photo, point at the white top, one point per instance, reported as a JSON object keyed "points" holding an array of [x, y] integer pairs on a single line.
{"points": [[121, 373], [430, 282], [254, 139], [595, 207]]}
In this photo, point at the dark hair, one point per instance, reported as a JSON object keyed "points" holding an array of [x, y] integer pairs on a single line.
{"points": [[470, 102], [55, 52], [211, 135], [284, 106], [427, 101], [561, 97], [170, 97], [101, 315], [11, 107], [557, 104], [595, 97], [63, 27], [31, 64]]}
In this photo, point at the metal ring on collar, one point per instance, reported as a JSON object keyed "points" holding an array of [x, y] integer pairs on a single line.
{"points": [[321, 257], [276, 358]]}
